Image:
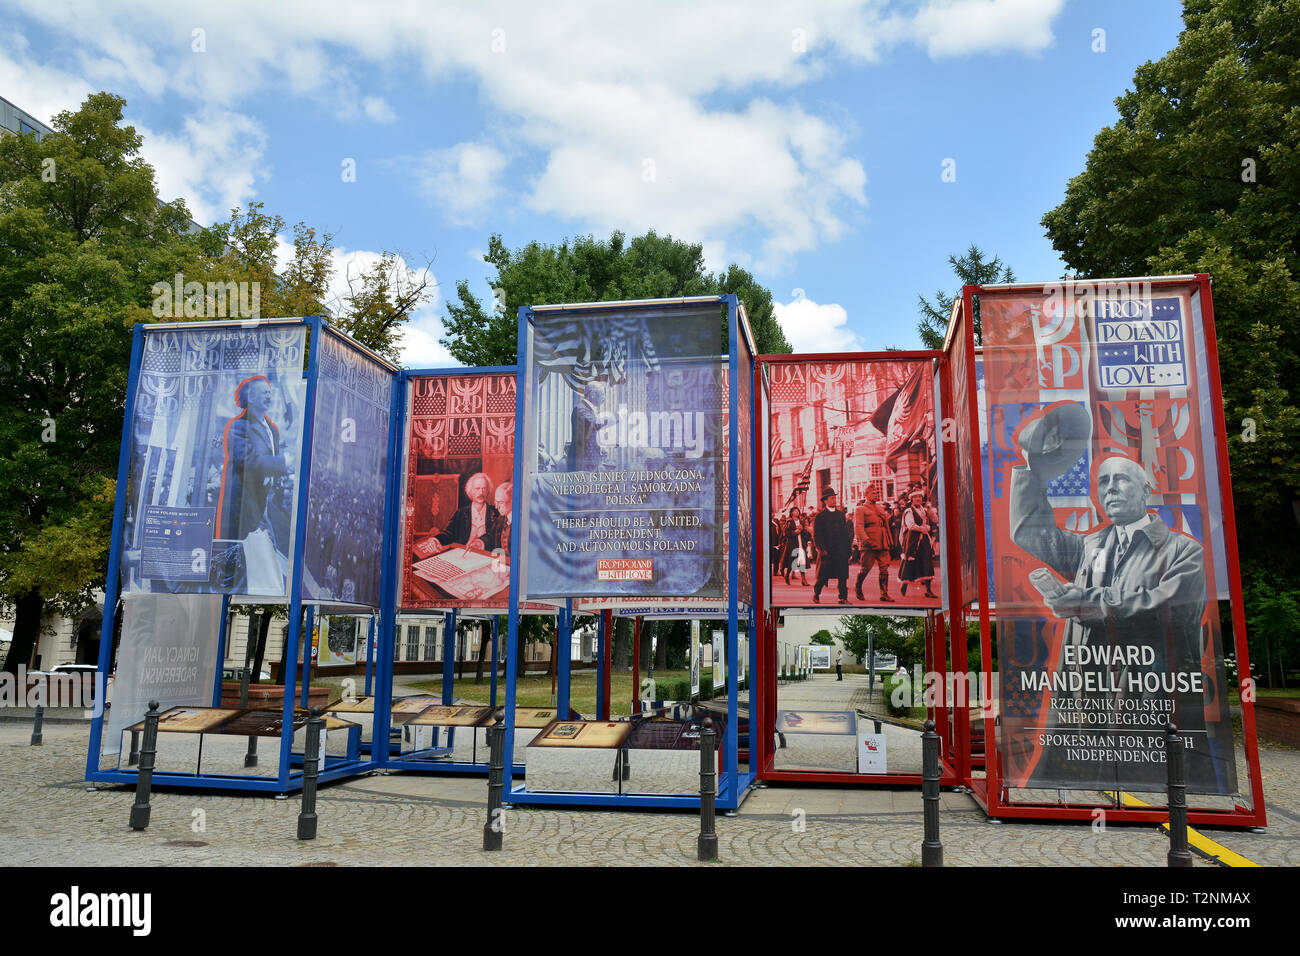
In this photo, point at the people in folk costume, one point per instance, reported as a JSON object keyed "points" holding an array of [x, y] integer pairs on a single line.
{"points": [[798, 543], [918, 552]]}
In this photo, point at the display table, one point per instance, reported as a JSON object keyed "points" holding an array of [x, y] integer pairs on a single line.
{"points": [[215, 739], [663, 755], [529, 721], [823, 740], [582, 756], [456, 732]]}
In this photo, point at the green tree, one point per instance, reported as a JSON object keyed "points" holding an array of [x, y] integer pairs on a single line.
{"points": [[904, 637], [83, 238], [822, 637], [1201, 173], [971, 269], [586, 269]]}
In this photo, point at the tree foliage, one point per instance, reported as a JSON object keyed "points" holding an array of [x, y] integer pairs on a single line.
{"points": [[1201, 173], [586, 269], [904, 637], [84, 242], [82, 239], [970, 269]]}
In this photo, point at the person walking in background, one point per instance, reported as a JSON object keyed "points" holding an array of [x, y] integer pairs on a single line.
{"points": [[839, 665]]}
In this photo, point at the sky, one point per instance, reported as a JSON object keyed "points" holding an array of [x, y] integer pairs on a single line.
{"points": [[839, 150]]}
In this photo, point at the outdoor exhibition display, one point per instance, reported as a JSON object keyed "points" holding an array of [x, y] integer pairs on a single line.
{"points": [[1109, 541], [458, 428], [852, 496], [254, 470], [636, 474], [1064, 487]]}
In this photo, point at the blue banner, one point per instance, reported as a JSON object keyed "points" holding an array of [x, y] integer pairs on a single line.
{"points": [[627, 475]]}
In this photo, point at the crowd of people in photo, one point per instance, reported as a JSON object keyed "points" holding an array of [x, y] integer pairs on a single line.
{"points": [[343, 553], [897, 540]]}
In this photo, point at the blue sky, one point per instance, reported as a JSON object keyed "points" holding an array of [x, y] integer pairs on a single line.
{"points": [[805, 140]]}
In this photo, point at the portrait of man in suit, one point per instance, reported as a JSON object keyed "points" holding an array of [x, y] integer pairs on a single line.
{"points": [[1132, 593], [254, 460], [477, 524]]}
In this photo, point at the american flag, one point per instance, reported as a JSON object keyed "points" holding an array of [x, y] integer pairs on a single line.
{"points": [[595, 347], [800, 486]]}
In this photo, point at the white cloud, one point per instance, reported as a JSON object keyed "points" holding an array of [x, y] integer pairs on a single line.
{"points": [[958, 27], [39, 90], [420, 345], [214, 162], [377, 109], [812, 327], [463, 180], [593, 90]]}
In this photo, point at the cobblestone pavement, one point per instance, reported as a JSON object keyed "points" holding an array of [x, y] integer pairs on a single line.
{"points": [[48, 817]]}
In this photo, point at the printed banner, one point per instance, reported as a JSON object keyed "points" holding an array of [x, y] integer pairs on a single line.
{"points": [[460, 459], [964, 459], [854, 484], [349, 474], [626, 471], [1100, 555], [216, 440], [168, 654]]}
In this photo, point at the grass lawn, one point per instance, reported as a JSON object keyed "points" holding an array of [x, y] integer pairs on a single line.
{"points": [[1277, 691], [534, 690]]}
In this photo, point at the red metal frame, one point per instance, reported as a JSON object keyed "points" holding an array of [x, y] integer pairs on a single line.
{"points": [[763, 711], [988, 790], [953, 619]]}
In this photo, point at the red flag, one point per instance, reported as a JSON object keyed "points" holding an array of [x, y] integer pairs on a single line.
{"points": [[901, 418]]}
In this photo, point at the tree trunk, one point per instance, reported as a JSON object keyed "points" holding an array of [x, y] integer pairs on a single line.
{"points": [[661, 650], [620, 659], [484, 643], [263, 629], [27, 631], [648, 631]]}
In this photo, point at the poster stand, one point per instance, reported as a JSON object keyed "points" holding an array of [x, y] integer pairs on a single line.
{"points": [[987, 778], [771, 610], [211, 354], [733, 782]]}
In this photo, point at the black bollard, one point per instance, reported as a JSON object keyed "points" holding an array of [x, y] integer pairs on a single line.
{"points": [[931, 848], [250, 758], [1179, 853], [38, 726], [495, 825], [707, 848], [310, 771], [133, 757], [144, 781]]}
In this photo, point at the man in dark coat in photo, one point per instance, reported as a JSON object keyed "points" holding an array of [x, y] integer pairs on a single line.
{"points": [[833, 536]]}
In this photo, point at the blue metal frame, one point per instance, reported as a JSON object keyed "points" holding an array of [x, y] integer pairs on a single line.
{"points": [[384, 687], [287, 779], [294, 634], [113, 582], [732, 785]]}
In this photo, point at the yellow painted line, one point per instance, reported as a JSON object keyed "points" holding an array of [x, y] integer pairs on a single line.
{"points": [[1198, 841]]}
